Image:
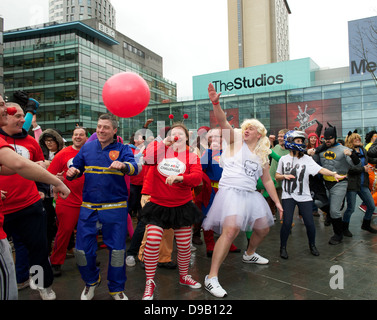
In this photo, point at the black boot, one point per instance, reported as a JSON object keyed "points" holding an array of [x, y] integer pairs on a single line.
{"points": [[313, 249], [283, 253], [346, 231], [366, 226], [338, 234]]}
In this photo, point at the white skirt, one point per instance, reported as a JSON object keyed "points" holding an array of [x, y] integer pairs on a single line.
{"points": [[238, 208]]}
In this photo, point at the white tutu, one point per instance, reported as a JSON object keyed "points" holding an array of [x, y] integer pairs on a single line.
{"points": [[238, 208]]}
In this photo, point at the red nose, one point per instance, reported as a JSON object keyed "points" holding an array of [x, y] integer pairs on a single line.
{"points": [[176, 138], [11, 111]]}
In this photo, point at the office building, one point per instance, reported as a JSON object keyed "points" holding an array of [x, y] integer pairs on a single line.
{"points": [[257, 32], [65, 66], [61, 11]]}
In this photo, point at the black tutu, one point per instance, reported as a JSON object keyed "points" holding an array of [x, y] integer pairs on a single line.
{"points": [[171, 217]]}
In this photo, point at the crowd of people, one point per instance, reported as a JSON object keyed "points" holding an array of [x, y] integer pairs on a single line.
{"points": [[226, 181]]}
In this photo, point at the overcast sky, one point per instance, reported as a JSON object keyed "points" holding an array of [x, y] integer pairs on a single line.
{"points": [[192, 36]]}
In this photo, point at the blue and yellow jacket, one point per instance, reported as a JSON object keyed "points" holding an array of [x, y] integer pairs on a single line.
{"points": [[104, 188]]}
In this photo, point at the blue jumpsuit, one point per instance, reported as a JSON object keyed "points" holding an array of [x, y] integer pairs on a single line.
{"points": [[104, 207]]}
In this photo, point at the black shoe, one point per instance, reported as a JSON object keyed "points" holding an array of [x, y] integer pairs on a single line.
{"points": [[366, 226], [336, 239], [56, 270], [167, 265], [283, 253], [313, 250], [346, 231]]}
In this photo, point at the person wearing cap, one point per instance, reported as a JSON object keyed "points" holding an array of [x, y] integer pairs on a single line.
{"points": [[335, 157], [294, 170]]}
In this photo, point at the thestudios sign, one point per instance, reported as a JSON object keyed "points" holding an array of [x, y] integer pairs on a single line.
{"points": [[265, 78]]}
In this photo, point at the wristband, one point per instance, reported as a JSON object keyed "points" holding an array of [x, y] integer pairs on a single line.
{"points": [[215, 103]]}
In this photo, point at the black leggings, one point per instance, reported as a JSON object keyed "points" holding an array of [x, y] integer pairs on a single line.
{"points": [[305, 210]]}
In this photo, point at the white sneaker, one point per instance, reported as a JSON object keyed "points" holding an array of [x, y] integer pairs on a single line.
{"points": [[88, 292], [254, 258], [119, 296], [130, 261], [213, 286], [47, 293]]}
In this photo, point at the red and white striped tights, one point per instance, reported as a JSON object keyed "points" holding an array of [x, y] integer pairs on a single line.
{"points": [[151, 250]]}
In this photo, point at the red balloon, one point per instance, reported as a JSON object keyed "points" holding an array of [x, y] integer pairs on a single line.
{"points": [[126, 94]]}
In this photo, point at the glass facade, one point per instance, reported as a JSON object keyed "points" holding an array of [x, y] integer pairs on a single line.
{"points": [[65, 71], [348, 106]]}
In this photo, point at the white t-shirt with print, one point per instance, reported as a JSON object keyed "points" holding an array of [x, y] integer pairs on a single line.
{"points": [[297, 188]]}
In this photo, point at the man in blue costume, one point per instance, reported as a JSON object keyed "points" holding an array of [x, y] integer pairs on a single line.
{"points": [[104, 162]]}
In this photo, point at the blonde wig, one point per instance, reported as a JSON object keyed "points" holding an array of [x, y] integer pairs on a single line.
{"points": [[351, 138], [262, 148]]}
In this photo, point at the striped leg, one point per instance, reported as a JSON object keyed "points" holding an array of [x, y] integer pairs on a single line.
{"points": [[151, 253], [183, 241]]}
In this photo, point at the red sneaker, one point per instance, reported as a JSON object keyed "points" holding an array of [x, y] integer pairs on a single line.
{"points": [[149, 289], [190, 282], [363, 208]]}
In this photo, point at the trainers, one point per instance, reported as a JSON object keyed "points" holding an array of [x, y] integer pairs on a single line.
{"points": [[130, 261], [254, 258], [190, 282], [47, 293], [213, 286], [88, 292], [119, 296], [149, 289], [363, 208]]}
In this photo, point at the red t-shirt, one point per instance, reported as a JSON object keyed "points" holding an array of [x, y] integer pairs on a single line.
{"points": [[2, 233], [61, 163], [170, 163], [21, 192]]}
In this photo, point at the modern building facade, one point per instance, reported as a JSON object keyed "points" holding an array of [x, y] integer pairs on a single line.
{"points": [[62, 11], [292, 94], [257, 32], [322, 95], [65, 66]]}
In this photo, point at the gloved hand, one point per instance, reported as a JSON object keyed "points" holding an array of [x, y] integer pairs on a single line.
{"points": [[32, 106], [28, 104], [21, 97]]}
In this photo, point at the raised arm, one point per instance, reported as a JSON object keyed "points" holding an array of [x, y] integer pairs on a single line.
{"points": [[220, 114]]}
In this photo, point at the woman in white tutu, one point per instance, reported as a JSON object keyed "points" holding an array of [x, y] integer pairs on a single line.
{"points": [[238, 205]]}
